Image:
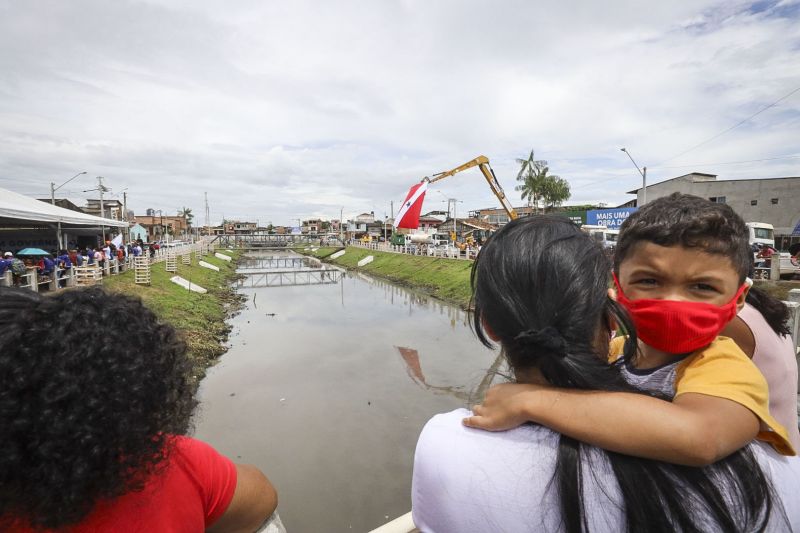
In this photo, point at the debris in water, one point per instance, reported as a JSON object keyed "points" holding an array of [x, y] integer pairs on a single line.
{"points": [[232, 394], [369, 403], [270, 314]]}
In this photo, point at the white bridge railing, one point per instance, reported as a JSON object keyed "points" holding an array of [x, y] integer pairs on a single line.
{"points": [[429, 250]]}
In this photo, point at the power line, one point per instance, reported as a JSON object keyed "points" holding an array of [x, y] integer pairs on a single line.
{"points": [[730, 162], [720, 134]]}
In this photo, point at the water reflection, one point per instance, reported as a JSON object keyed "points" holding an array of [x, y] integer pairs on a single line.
{"points": [[415, 300], [414, 369]]}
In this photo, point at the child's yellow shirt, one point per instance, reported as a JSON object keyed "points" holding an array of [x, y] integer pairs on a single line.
{"points": [[721, 369]]}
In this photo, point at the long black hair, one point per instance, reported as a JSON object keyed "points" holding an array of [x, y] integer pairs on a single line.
{"points": [[83, 419], [541, 286]]}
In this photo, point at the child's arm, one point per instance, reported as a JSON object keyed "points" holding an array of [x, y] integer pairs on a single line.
{"points": [[694, 429]]}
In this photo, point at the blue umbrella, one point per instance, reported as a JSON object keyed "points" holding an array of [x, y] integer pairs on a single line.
{"points": [[32, 251]]}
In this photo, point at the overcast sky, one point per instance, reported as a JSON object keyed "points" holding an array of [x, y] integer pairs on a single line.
{"points": [[292, 109]]}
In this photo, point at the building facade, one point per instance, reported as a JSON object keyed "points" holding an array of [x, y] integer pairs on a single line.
{"points": [[775, 201], [161, 228], [112, 209], [240, 228]]}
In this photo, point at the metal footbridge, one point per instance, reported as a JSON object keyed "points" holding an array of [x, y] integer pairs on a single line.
{"points": [[254, 265], [284, 278], [264, 241]]}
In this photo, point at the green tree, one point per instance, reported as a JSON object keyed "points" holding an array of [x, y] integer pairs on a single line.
{"points": [[537, 186], [186, 213], [556, 191]]}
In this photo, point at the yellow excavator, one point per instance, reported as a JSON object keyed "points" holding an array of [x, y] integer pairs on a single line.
{"points": [[482, 162]]}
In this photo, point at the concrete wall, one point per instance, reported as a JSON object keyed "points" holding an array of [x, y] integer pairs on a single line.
{"points": [[739, 194]]}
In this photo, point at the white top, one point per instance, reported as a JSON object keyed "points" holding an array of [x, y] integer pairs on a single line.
{"points": [[472, 480]]}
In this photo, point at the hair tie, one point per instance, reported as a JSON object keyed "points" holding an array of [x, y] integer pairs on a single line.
{"points": [[547, 338]]}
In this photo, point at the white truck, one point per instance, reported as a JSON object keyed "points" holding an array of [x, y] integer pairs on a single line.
{"points": [[764, 234], [761, 233], [606, 237]]}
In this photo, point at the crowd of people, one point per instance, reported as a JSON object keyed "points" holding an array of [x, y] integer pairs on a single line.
{"points": [[49, 265], [655, 392]]}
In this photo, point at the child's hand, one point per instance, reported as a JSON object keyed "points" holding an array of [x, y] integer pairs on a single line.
{"points": [[503, 407]]}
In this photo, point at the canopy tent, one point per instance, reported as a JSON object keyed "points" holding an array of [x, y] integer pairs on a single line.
{"points": [[21, 208]]}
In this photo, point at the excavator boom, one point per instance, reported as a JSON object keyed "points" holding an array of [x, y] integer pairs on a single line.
{"points": [[482, 162]]}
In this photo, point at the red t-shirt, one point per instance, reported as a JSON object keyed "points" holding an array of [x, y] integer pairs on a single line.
{"points": [[194, 490]]}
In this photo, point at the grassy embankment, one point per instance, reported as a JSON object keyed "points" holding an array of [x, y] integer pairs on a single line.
{"points": [[446, 279], [778, 289], [199, 317]]}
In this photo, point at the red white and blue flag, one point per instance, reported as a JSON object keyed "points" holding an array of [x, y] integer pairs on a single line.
{"points": [[408, 216]]}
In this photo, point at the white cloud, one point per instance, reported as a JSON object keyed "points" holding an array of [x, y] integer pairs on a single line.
{"points": [[291, 109]]}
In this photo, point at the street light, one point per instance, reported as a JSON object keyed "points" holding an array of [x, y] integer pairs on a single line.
{"points": [[53, 187], [644, 176], [53, 190]]}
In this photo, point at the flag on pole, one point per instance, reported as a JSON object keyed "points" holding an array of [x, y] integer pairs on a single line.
{"points": [[408, 216], [117, 241]]}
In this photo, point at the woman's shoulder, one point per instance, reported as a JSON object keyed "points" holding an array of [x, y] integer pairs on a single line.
{"points": [[448, 445], [449, 425], [468, 479]]}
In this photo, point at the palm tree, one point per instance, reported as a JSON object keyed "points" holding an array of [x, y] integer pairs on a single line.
{"points": [[531, 179], [536, 185], [186, 213]]}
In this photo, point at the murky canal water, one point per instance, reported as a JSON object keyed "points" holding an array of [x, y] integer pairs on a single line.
{"points": [[326, 388]]}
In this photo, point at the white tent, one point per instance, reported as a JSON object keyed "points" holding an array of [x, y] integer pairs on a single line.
{"points": [[23, 208]]}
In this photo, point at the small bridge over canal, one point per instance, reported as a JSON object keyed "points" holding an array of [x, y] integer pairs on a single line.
{"points": [[283, 278], [249, 265], [264, 240]]}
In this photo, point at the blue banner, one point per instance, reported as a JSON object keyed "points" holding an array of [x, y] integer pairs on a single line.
{"points": [[610, 218]]}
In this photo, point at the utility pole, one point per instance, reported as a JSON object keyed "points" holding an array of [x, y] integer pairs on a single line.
{"points": [[208, 226], [642, 172], [644, 186], [100, 187], [125, 216]]}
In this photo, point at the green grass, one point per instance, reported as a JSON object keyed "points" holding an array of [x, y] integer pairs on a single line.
{"points": [[199, 317], [778, 289], [446, 279]]}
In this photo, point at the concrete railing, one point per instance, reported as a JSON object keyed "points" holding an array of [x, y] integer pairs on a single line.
{"points": [[402, 524]]}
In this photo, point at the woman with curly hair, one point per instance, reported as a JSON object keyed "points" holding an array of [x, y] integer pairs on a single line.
{"points": [[94, 438]]}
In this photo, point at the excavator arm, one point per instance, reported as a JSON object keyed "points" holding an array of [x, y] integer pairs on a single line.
{"points": [[482, 162]]}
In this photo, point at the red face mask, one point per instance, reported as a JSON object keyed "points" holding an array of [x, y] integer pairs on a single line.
{"points": [[678, 327]]}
